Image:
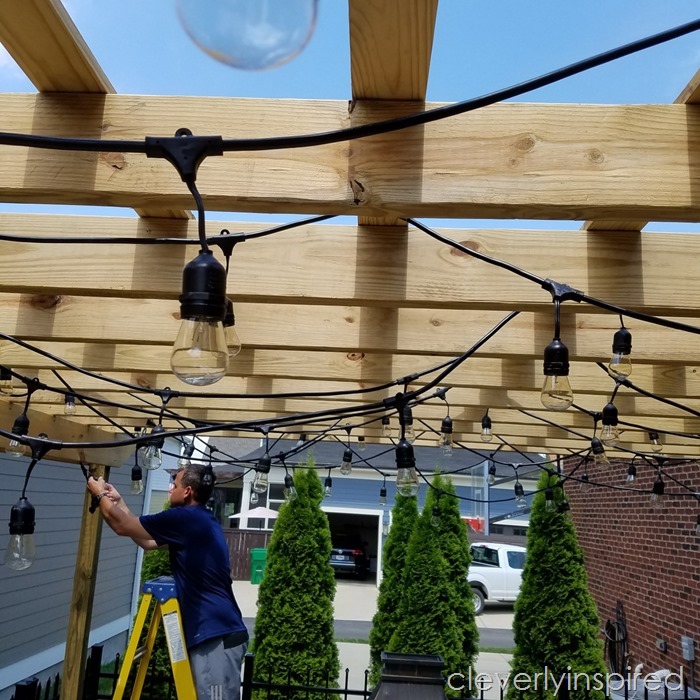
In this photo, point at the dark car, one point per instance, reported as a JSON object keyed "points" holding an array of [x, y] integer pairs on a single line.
{"points": [[349, 556]]}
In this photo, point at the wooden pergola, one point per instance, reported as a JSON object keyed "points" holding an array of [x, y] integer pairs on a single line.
{"points": [[331, 307]]}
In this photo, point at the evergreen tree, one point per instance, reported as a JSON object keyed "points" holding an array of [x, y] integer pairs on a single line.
{"points": [[454, 544], [386, 619], [556, 623], [294, 625], [428, 622]]}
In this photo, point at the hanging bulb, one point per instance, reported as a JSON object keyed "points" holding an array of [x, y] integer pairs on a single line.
{"points": [[21, 551], [697, 526], [249, 35], [656, 444], [20, 428], [486, 435], [382, 496], [492, 474], [585, 482], [185, 459], [327, 487], [262, 470], [233, 344], [200, 355], [610, 435], [435, 516], [556, 394], [361, 444], [254, 498], [136, 480], [346, 464], [151, 452], [290, 492], [549, 504], [409, 432], [520, 500], [301, 441], [7, 381], [599, 457], [657, 493], [563, 506], [631, 473], [69, 405], [445, 440], [620, 362], [407, 483], [386, 427]]}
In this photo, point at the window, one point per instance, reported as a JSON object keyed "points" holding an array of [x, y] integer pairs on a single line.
{"points": [[516, 560], [485, 556]]}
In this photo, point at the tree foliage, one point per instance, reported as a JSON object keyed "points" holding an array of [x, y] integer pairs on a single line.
{"points": [[453, 541], [294, 624], [386, 619], [556, 623], [427, 620]]}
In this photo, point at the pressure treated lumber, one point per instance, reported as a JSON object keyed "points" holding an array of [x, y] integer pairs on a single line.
{"points": [[510, 160]]}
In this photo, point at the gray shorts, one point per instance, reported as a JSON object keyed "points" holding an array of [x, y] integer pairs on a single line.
{"points": [[217, 670]]}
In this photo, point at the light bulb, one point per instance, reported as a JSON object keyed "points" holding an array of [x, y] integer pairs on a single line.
{"points": [[407, 483], [492, 474], [585, 482], [486, 426], [435, 516], [445, 440], [563, 506], [185, 459], [136, 480], [361, 444], [251, 35], [16, 449], [328, 487], [346, 464], [254, 498], [549, 504], [7, 383], [557, 394], [386, 427], [200, 355], [631, 473], [290, 492], [260, 482], [620, 362], [152, 457], [21, 551], [382, 496], [520, 500], [656, 444], [410, 434], [610, 436], [657, 493], [599, 457], [69, 405]]}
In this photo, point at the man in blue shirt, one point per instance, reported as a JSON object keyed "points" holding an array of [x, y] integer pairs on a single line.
{"points": [[214, 631]]}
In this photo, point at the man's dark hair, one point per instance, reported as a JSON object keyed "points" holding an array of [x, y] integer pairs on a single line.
{"points": [[201, 480]]}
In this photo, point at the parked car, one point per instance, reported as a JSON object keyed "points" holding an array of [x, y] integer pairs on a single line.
{"points": [[349, 556], [495, 572]]}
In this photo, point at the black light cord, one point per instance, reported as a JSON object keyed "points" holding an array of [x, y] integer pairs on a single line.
{"points": [[376, 128]]}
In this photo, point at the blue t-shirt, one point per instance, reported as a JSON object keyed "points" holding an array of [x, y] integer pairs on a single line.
{"points": [[201, 567]]}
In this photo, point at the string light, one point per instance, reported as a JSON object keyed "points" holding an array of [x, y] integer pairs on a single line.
{"points": [[656, 444], [7, 381], [262, 471], [599, 457], [519, 491], [21, 551], [185, 458], [290, 492], [409, 433], [492, 474], [301, 441], [610, 434], [445, 440], [657, 492], [697, 526], [346, 464], [233, 342], [328, 486], [361, 444], [151, 452], [486, 426], [631, 473], [435, 516], [407, 483], [386, 427], [382, 493], [549, 504], [136, 479], [19, 428], [69, 405], [620, 363]]}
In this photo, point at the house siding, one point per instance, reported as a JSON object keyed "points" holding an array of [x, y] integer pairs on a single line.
{"points": [[36, 602]]}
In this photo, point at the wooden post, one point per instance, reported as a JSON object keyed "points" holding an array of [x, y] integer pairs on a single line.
{"points": [[83, 596]]}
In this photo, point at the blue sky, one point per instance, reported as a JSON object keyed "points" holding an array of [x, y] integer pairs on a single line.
{"points": [[480, 46]]}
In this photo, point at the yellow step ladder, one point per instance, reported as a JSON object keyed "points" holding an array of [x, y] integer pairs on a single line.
{"points": [[162, 591]]}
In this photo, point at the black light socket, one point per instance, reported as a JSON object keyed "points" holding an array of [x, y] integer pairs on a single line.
{"points": [[556, 359], [408, 415], [405, 458], [597, 446], [136, 473], [609, 415], [622, 342], [21, 425], [263, 464], [347, 455], [518, 490], [229, 316], [288, 481], [156, 438], [204, 288], [22, 518], [446, 426], [486, 422], [658, 487]]}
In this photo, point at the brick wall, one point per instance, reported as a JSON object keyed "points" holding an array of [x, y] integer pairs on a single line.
{"points": [[648, 559]]}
